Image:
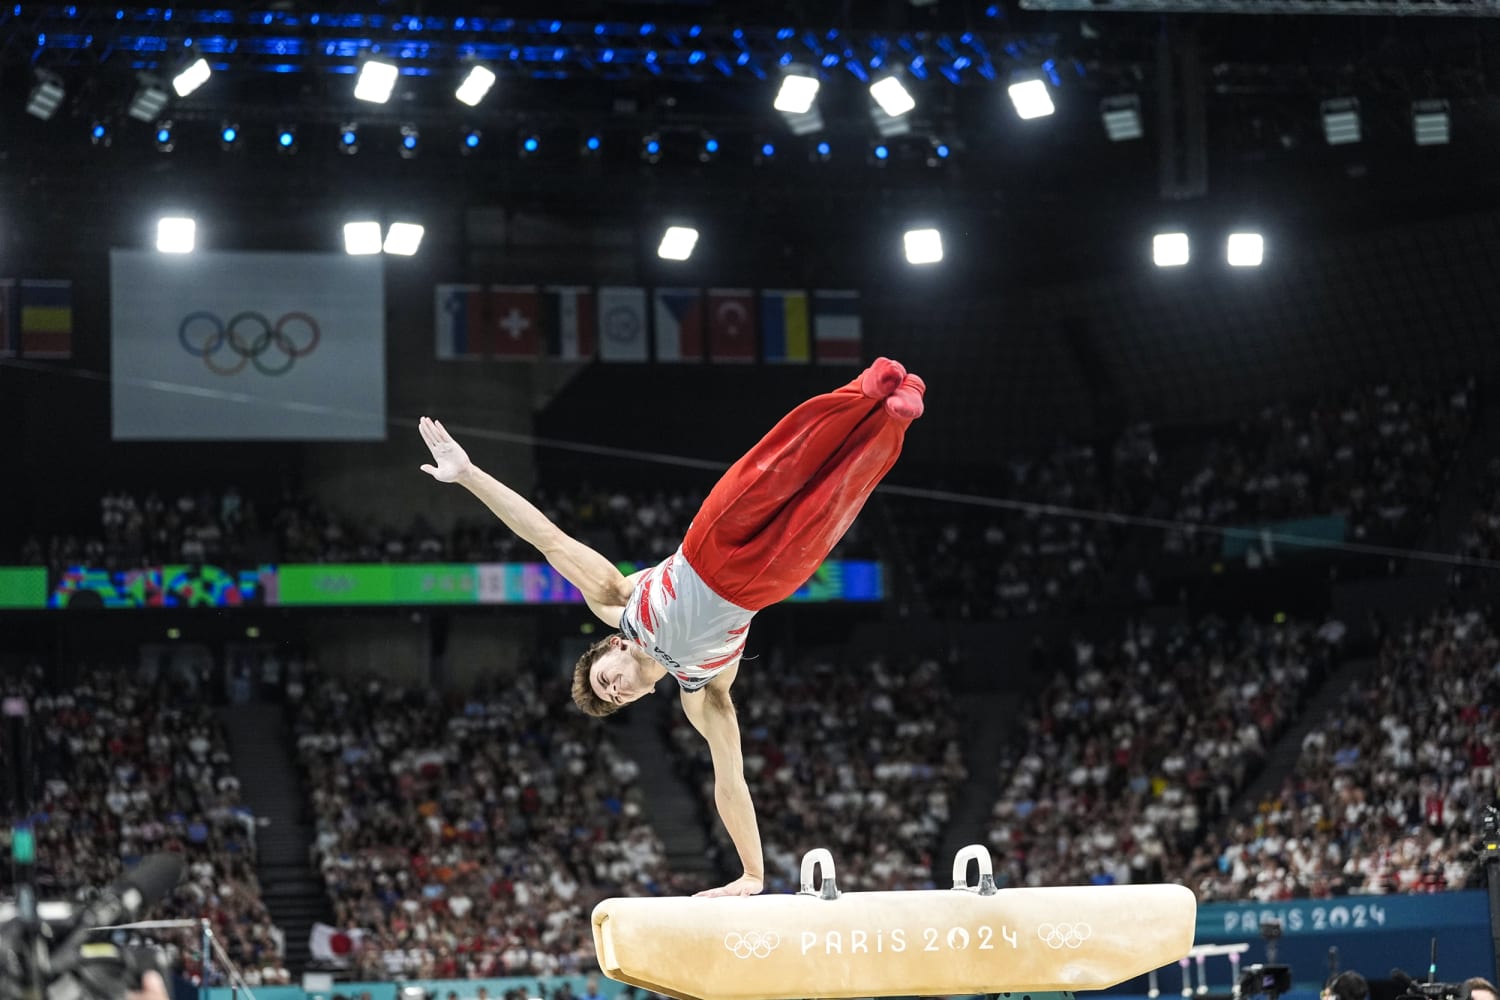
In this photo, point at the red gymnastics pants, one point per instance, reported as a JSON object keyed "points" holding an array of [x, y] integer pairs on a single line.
{"points": [[777, 513]]}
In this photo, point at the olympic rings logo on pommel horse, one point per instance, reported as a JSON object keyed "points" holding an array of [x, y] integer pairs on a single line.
{"points": [[220, 334], [1057, 936], [752, 943]]}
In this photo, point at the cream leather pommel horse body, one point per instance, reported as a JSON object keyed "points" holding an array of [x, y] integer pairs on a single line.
{"points": [[824, 943]]}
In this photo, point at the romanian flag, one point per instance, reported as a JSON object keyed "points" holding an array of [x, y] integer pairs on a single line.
{"points": [[784, 332], [46, 319]]}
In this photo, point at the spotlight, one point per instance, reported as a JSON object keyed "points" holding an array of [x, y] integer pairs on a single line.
{"points": [[361, 237], [46, 95], [822, 152], [880, 154], [229, 136], [1430, 122], [286, 140], [709, 149], [766, 152], [410, 136], [348, 138], [194, 76], [1341, 121], [99, 134], [403, 238], [149, 100], [592, 145], [470, 142], [799, 88], [476, 84], [1170, 249], [894, 99], [376, 81], [1246, 249], [165, 141], [677, 243], [651, 148], [938, 153], [1030, 96], [923, 246], [175, 234], [1122, 117], [528, 144]]}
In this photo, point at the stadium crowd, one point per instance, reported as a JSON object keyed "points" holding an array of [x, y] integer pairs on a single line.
{"points": [[863, 759], [1387, 793], [123, 766], [471, 837], [1143, 741]]}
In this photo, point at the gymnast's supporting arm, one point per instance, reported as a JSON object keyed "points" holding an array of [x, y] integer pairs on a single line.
{"points": [[603, 586], [712, 713]]}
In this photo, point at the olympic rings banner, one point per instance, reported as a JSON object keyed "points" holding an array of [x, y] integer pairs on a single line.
{"points": [[247, 346]]}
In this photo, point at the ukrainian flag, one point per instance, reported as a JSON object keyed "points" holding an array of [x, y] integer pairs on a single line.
{"points": [[46, 319], [784, 328]]}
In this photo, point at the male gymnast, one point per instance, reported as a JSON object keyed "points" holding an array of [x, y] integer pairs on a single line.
{"points": [[761, 533]]}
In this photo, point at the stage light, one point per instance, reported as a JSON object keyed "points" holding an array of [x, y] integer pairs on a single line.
{"points": [[470, 142], [362, 237], [194, 76], [403, 238], [410, 137], [651, 148], [286, 140], [476, 84], [46, 95], [938, 153], [376, 81], [175, 234], [880, 154], [165, 141], [1341, 121], [149, 100], [1170, 249], [822, 152], [923, 246], [99, 134], [709, 148], [677, 243], [592, 145], [1122, 117], [894, 99], [348, 138], [767, 151], [528, 144], [1430, 122], [1031, 98], [797, 93], [229, 136], [1246, 249]]}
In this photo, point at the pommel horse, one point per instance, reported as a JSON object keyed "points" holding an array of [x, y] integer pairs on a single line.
{"points": [[821, 942]]}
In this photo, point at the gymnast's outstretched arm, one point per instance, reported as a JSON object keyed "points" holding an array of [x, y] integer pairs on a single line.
{"points": [[712, 713], [603, 586]]}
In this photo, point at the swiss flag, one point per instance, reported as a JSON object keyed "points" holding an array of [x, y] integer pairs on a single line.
{"points": [[513, 322], [731, 325]]}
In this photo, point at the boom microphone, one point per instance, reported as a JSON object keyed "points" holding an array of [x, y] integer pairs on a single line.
{"points": [[133, 893]]}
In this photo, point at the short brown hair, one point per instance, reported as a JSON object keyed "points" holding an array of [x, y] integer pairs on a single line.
{"points": [[1478, 983], [584, 695]]}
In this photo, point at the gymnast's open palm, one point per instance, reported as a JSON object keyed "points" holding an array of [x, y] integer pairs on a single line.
{"points": [[452, 461]]}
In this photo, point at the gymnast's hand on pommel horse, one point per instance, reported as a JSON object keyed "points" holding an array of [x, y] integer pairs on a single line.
{"points": [[761, 533]]}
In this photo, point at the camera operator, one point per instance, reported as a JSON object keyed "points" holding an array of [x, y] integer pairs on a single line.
{"points": [[1479, 989], [1347, 986]]}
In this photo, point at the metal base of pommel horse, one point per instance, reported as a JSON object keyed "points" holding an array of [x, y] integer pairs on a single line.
{"points": [[1199, 955], [823, 942]]}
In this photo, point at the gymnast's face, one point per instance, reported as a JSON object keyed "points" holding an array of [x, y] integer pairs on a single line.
{"points": [[619, 676]]}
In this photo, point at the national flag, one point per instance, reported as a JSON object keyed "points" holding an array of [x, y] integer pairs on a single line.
{"points": [[513, 315], [46, 319], [7, 319], [332, 944], [569, 321], [460, 321], [622, 324], [783, 326], [836, 327], [679, 324], [731, 325]]}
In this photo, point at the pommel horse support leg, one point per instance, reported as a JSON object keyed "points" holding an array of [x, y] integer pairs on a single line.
{"points": [[824, 943]]}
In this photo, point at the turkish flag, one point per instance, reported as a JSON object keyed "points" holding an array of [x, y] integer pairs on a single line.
{"points": [[731, 325], [513, 322]]}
